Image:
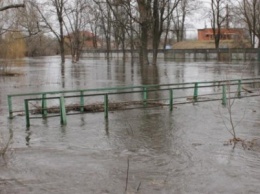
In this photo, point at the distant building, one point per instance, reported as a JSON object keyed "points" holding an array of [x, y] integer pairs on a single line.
{"points": [[225, 34], [86, 38]]}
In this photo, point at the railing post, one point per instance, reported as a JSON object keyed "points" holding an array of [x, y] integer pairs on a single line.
{"points": [[27, 116], [195, 95], [224, 95], [145, 95], [171, 99], [106, 105], [239, 89], [82, 101], [44, 106], [63, 116], [10, 107]]}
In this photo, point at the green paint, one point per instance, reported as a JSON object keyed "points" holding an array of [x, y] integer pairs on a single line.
{"points": [[106, 105], [195, 95], [239, 89], [142, 90], [10, 107], [145, 96], [82, 101], [44, 106], [171, 99], [224, 95], [63, 116], [27, 116]]}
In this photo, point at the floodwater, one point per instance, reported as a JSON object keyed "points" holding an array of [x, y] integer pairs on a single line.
{"points": [[147, 151]]}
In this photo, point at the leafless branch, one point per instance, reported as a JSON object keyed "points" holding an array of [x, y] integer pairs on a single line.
{"points": [[12, 6]]}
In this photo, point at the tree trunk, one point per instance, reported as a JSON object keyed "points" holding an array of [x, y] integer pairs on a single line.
{"points": [[62, 50], [143, 47], [156, 30], [61, 41], [59, 8], [145, 17]]}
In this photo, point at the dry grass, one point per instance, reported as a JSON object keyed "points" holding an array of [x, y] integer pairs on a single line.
{"points": [[96, 107], [10, 74], [196, 44]]}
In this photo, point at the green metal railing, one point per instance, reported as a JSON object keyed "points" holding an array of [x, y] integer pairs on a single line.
{"points": [[144, 90]]}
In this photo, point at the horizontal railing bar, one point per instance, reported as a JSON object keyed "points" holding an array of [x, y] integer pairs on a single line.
{"points": [[150, 100], [130, 87], [176, 103], [127, 92], [143, 90]]}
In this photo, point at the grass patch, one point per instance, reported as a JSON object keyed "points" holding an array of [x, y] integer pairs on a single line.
{"points": [[97, 107], [10, 73]]}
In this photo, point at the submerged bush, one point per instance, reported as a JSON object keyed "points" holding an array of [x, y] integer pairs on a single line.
{"points": [[5, 144]]}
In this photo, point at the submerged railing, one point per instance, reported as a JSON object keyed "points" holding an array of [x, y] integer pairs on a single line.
{"points": [[227, 54], [168, 90]]}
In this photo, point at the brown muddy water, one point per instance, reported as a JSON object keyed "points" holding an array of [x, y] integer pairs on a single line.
{"points": [[162, 152]]}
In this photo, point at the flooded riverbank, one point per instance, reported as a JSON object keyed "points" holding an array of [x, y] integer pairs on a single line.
{"points": [[183, 151]]}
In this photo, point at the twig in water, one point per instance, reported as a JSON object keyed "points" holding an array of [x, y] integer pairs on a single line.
{"points": [[129, 125], [127, 172], [6, 146], [138, 188]]}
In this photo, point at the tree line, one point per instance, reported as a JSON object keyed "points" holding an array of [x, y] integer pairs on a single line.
{"points": [[44, 27]]}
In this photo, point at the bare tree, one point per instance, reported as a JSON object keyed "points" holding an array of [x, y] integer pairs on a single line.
{"points": [[218, 17], [7, 17], [122, 24], [5, 145], [77, 21], [12, 45], [159, 19], [105, 23], [178, 20], [52, 14], [152, 17], [23, 25], [145, 20], [142, 22], [93, 19], [249, 10], [184, 9]]}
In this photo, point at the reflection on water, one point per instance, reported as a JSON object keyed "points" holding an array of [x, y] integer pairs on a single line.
{"points": [[28, 137], [169, 152], [62, 72]]}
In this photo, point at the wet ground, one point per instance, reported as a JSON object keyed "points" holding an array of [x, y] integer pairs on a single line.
{"points": [[142, 150]]}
